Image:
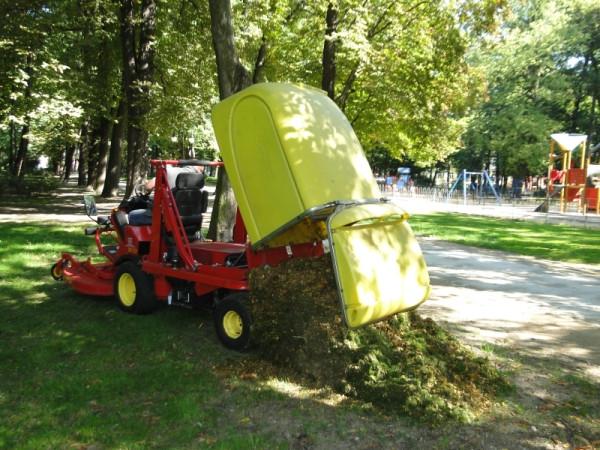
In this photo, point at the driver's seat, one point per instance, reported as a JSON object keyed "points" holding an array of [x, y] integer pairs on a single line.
{"points": [[191, 200]]}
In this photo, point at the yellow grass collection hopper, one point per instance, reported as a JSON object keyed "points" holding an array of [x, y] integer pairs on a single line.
{"points": [[300, 175]]}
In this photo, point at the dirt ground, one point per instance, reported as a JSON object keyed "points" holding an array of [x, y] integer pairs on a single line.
{"points": [[539, 320], [542, 308]]}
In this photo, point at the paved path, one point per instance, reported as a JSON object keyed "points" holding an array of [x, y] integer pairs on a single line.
{"points": [[543, 308]]}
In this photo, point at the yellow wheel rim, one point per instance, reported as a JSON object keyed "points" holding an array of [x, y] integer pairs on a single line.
{"points": [[57, 271], [232, 324], [126, 288]]}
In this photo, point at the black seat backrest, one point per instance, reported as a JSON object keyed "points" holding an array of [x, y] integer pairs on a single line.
{"points": [[121, 220], [190, 200]]}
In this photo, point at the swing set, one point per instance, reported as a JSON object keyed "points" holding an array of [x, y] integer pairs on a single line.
{"points": [[466, 176]]}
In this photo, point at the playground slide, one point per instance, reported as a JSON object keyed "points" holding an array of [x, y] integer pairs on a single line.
{"points": [[543, 207]]}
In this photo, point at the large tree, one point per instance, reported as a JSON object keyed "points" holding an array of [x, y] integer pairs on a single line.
{"points": [[138, 27], [232, 77]]}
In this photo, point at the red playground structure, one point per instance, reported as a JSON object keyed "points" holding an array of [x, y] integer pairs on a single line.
{"points": [[573, 179]]}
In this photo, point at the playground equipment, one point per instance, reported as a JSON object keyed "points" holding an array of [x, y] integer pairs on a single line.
{"points": [[301, 179], [485, 184], [574, 180]]}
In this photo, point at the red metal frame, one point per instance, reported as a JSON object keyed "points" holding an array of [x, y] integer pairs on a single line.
{"points": [[203, 263]]}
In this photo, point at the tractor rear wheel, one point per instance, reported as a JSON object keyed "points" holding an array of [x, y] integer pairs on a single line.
{"points": [[134, 289], [233, 321]]}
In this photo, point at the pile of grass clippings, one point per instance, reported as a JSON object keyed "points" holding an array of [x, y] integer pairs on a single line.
{"points": [[407, 364]]}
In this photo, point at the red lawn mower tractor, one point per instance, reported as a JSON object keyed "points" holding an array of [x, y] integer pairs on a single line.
{"points": [[168, 262], [301, 180]]}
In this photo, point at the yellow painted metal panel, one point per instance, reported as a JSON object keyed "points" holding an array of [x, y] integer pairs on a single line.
{"points": [[265, 182], [379, 266], [325, 156], [287, 149]]}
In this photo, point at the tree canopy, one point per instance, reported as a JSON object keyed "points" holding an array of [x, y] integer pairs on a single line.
{"points": [[541, 75], [477, 82]]}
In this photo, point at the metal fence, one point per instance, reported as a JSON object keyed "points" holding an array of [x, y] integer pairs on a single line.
{"points": [[440, 194]]}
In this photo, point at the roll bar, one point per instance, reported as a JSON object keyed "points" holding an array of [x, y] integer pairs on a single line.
{"points": [[185, 162]]}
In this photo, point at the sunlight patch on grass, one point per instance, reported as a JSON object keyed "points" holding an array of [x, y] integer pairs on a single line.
{"points": [[299, 392], [554, 242]]}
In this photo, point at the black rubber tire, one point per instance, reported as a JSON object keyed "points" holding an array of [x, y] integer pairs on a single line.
{"points": [[236, 304], [143, 301], [55, 271]]}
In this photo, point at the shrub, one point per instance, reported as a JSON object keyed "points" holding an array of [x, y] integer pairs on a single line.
{"points": [[30, 184]]}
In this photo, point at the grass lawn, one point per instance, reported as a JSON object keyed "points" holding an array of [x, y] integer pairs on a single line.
{"points": [[75, 371], [555, 242]]}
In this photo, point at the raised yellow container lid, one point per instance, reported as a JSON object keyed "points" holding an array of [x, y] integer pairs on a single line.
{"points": [[288, 149]]}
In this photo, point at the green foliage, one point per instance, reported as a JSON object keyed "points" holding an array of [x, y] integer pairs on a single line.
{"points": [[402, 75], [29, 184], [381, 160], [542, 78], [555, 242], [401, 64]]}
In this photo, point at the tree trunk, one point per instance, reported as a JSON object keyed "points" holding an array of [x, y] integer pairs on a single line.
{"points": [[12, 153], [83, 147], [102, 154], [498, 171], [259, 64], [92, 157], [129, 76], [579, 95], [22, 151], [592, 126], [113, 169], [24, 142], [145, 72], [69, 152], [232, 77], [342, 99], [328, 77], [138, 74]]}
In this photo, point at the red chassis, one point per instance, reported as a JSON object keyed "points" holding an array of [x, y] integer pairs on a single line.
{"points": [[140, 273]]}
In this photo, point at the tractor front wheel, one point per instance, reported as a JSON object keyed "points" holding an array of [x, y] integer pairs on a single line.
{"points": [[233, 321], [134, 289], [57, 271]]}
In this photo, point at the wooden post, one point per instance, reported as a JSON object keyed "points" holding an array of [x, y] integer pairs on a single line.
{"points": [[563, 181], [584, 166], [549, 179]]}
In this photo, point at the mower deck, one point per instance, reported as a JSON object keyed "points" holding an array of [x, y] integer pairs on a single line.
{"points": [[87, 278]]}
